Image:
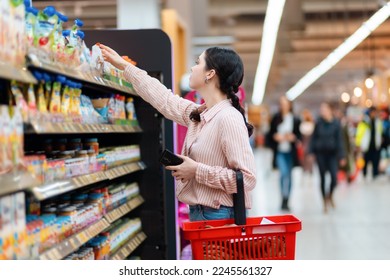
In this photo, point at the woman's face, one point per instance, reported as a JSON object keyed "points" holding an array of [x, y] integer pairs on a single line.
{"points": [[326, 111], [285, 105], [198, 73]]}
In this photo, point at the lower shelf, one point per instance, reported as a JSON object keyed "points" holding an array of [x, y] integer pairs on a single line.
{"points": [[74, 242], [129, 247]]}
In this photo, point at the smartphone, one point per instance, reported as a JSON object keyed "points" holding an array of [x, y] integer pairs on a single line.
{"points": [[168, 158]]}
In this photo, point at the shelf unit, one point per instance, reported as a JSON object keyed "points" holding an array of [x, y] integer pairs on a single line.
{"points": [[129, 247], [156, 204], [74, 242], [49, 190], [77, 128], [16, 181]]}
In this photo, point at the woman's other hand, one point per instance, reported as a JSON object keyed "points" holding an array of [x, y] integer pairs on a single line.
{"points": [[185, 171], [113, 57]]}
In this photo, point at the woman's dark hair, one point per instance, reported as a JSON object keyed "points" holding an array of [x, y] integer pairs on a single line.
{"points": [[230, 71]]}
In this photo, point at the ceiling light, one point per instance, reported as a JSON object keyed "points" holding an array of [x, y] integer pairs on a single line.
{"points": [[369, 83], [345, 97], [368, 103], [346, 47], [357, 91], [268, 40]]}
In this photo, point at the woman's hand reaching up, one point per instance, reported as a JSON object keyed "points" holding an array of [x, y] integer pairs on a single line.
{"points": [[113, 57]]}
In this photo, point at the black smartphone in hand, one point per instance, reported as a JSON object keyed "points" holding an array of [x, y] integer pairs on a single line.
{"points": [[168, 158]]}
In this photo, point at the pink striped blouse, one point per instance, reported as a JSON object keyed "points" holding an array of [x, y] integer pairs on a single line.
{"points": [[219, 143]]}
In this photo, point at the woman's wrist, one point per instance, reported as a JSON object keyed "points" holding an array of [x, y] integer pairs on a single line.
{"points": [[123, 65]]}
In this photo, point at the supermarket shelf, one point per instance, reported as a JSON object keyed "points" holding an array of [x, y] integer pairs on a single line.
{"points": [[129, 247], [124, 170], [68, 128], [46, 191], [16, 181], [75, 74], [74, 242], [10, 72], [122, 210]]}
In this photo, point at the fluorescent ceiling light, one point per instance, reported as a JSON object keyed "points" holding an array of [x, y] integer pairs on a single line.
{"points": [[346, 47], [270, 32]]}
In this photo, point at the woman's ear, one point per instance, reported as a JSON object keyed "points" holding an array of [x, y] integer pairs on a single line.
{"points": [[210, 74]]}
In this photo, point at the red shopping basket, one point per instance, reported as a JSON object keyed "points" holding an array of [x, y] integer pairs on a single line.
{"points": [[220, 239]]}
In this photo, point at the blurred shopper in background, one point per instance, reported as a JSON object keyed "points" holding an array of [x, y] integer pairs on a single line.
{"points": [[369, 139], [282, 138], [327, 146], [349, 167], [306, 128]]}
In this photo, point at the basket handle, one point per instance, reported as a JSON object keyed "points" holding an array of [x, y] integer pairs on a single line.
{"points": [[239, 200]]}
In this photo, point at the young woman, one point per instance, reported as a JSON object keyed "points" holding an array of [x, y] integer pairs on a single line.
{"points": [[282, 138], [327, 145], [217, 140]]}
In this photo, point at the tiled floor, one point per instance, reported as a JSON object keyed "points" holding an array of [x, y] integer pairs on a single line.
{"points": [[357, 229]]}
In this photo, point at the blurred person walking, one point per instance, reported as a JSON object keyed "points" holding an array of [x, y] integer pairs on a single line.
{"points": [[369, 139], [282, 139], [327, 146], [306, 128]]}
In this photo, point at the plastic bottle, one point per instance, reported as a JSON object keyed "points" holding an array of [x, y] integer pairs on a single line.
{"points": [[131, 115]]}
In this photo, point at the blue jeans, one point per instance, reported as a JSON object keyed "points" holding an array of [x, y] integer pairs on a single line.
{"points": [[204, 213], [284, 162]]}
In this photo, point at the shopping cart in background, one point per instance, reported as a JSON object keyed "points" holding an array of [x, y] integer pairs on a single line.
{"points": [[241, 238]]}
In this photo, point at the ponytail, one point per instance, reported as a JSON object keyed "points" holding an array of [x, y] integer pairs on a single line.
{"points": [[236, 104]]}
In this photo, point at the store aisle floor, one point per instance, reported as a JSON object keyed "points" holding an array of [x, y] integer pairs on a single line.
{"points": [[357, 229]]}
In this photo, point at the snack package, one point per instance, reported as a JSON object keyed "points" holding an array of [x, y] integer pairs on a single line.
{"points": [[6, 34], [65, 98], [40, 93], [5, 139], [58, 47], [18, 43], [44, 30], [20, 101], [97, 60], [55, 101], [31, 17], [17, 137]]}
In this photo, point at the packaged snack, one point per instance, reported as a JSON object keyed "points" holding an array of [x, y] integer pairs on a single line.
{"points": [[58, 47], [40, 93], [5, 139], [20, 101], [55, 101], [6, 34], [18, 35], [66, 96], [46, 25], [17, 137], [31, 17], [31, 100]]}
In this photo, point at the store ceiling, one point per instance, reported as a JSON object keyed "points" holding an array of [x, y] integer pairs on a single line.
{"points": [[310, 30]]}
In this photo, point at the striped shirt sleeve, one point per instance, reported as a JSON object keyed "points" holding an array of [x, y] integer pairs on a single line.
{"points": [[155, 93]]}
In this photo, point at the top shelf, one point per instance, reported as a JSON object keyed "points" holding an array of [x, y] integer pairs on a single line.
{"points": [[88, 78], [10, 72]]}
